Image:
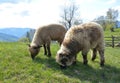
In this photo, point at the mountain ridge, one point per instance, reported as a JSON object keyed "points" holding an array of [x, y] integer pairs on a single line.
{"points": [[6, 37], [13, 34]]}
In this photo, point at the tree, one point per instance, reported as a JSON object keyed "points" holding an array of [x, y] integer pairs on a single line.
{"points": [[101, 20], [24, 39], [111, 17], [108, 21], [30, 34], [70, 16]]}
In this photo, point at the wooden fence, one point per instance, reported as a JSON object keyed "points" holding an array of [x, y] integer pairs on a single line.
{"points": [[112, 41]]}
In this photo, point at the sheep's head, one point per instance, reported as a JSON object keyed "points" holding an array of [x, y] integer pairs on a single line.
{"points": [[64, 59], [34, 50]]}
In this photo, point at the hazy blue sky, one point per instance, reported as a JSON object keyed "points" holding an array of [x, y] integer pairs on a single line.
{"points": [[34, 13]]}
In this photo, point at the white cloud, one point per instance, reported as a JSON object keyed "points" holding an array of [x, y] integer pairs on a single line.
{"points": [[35, 13], [31, 14], [117, 8], [111, 1]]}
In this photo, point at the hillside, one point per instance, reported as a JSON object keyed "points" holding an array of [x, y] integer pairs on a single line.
{"points": [[6, 37], [12, 34], [18, 32]]}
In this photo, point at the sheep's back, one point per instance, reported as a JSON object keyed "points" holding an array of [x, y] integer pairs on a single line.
{"points": [[88, 34], [52, 31]]}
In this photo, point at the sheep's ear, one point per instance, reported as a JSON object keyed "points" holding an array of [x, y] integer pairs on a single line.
{"points": [[39, 46]]}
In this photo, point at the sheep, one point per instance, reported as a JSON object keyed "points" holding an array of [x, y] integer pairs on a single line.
{"points": [[82, 38], [43, 37]]}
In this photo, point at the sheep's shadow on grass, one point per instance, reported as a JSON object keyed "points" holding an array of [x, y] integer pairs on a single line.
{"points": [[95, 75], [49, 62], [83, 72]]}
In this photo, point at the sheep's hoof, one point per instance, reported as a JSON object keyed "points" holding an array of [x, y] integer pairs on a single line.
{"points": [[85, 62], [49, 55], [63, 67], [102, 64], [93, 58]]}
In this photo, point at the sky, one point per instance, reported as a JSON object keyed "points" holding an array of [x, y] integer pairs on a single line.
{"points": [[35, 13]]}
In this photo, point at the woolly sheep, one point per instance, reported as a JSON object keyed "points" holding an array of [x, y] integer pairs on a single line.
{"points": [[81, 38], [43, 37]]}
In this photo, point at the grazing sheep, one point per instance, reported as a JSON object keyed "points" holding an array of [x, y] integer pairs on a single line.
{"points": [[43, 37], [81, 38]]}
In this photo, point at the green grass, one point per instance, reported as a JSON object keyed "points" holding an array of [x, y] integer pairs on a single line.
{"points": [[108, 33], [16, 66]]}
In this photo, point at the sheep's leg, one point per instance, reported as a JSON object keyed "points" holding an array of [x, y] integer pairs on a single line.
{"points": [[60, 42], [74, 62], [48, 48], [94, 53], [84, 54], [45, 50], [102, 59]]}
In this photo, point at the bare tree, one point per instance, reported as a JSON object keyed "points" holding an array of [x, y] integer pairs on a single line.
{"points": [[70, 16]]}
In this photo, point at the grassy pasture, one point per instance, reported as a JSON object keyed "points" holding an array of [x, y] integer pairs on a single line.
{"points": [[16, 66], [116, 32]]}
